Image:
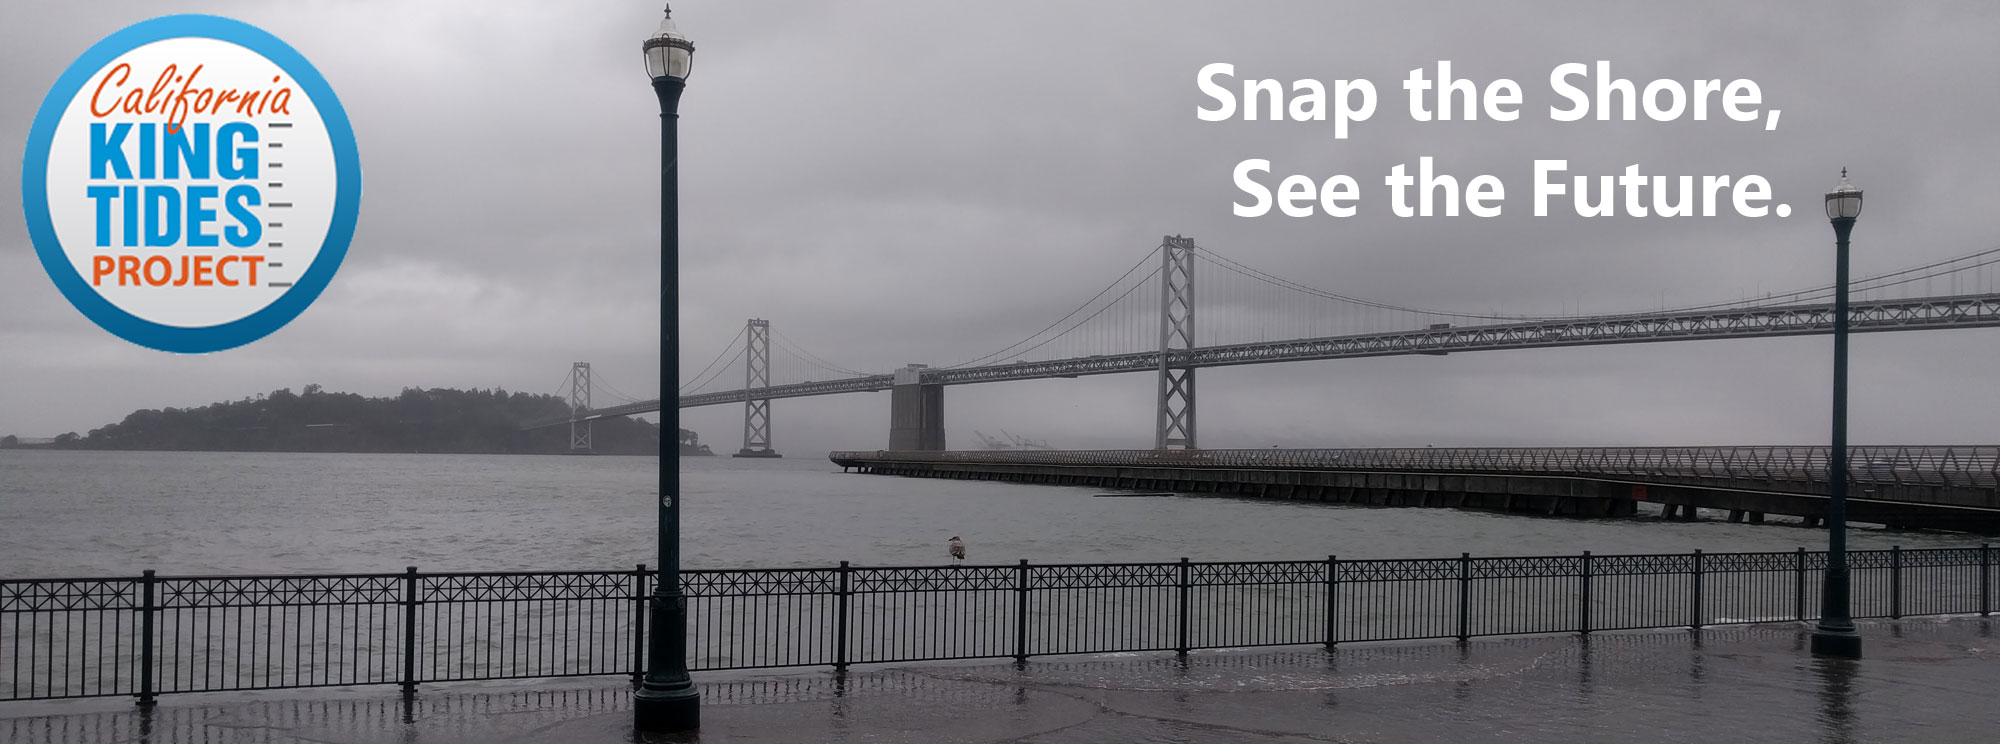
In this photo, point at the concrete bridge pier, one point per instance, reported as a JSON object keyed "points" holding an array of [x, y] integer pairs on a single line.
{"points": [[1746, 515], [916, 412]]}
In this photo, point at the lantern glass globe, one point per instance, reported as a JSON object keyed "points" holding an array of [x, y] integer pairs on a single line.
{"points": [[669, 54], [1844, 201]]}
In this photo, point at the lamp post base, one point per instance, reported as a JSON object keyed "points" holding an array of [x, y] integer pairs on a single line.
{"points": [[666, 711], [1836, 643]]}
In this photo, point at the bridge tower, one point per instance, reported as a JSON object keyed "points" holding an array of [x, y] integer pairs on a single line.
{"points": [[1176, 413], [757, 377], [916, 412], [579, 406]]}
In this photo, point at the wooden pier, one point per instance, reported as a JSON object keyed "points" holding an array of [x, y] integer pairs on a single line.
{"points": [[1533, 485]]}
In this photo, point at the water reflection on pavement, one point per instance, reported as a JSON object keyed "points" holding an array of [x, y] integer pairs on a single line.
{"points": [[1923, 680]]}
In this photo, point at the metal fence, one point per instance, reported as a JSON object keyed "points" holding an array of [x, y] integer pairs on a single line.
{"points": [[150, 635]]}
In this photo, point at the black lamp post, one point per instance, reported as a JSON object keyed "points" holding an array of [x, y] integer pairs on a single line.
{"points": [[667, 699], [1835, 635]]}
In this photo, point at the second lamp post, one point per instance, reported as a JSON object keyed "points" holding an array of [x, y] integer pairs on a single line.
{"points": [[667, 699], [1835, 634]]}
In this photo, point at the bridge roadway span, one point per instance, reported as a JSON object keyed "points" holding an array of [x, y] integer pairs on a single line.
{"points": [[1935, 487], [1962, 311]]}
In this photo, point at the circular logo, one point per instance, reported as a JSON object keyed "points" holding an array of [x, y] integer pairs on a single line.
{"points": [[191, 183]]}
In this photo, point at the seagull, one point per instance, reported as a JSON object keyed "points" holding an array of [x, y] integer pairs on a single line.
{"points": [[957, 550]]}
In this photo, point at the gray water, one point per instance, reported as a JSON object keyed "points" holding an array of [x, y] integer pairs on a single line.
{"points": [[66, 514]]}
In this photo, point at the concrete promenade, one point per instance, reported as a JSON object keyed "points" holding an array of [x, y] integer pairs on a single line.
{"points": [[1929, 680]]}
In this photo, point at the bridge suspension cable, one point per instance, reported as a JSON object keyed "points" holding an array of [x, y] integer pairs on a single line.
{"points": [[561, 390], [1980, 260], [1239, 304], [1226, 263], [1977, 260], [1016, 347], [710, 372], [699, 385], [599, 382], [1106, 333], [812, 359]]}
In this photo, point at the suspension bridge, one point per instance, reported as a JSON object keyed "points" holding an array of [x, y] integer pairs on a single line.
{"points": [[1145, 321]]}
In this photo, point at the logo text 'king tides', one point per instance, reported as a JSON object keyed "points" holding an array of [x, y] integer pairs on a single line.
{"points": [[200, 214], [191, 183]]}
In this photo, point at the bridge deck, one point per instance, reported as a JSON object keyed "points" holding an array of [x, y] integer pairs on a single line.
{"points": [[1926, 313]]}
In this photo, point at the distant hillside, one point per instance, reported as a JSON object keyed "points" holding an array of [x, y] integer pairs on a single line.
{"points": [[439, 420]]}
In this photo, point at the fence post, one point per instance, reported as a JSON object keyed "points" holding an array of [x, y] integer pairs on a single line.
{"points": [[638, 625], [1021, 611], [1181, 634], [146, 610], [1583, 600], [1695, 621], [1799, 585], [841, 598], [1896, 582], [1464, 596], [1332, 585], [409, 629], [1985, 579]]}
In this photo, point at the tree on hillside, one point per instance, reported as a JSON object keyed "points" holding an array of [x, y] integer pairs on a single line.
{"points": [[439, 420]]}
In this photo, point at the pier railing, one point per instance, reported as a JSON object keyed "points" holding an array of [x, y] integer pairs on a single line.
{"points": [[1974, 466], [149, 635]]}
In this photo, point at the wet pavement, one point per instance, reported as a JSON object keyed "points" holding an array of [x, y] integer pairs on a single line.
{"points": [[1923, 680]]}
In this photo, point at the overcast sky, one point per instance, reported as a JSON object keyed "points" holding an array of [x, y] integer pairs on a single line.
{"points": [[918, 181]]}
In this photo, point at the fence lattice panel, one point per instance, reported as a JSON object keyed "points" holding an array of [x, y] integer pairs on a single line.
{"points": [[147, 635]]}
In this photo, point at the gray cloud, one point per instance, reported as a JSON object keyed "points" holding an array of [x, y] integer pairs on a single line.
{"points": [[894, 182]]}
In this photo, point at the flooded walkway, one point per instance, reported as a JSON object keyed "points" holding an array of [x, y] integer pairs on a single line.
{"points": [[1928, 680]]}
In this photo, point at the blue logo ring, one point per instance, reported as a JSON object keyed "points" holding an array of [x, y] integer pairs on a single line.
{"points": [[198, 340]]}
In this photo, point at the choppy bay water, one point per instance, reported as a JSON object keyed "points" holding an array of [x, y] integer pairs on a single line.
{"points": [[116, 513]]}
